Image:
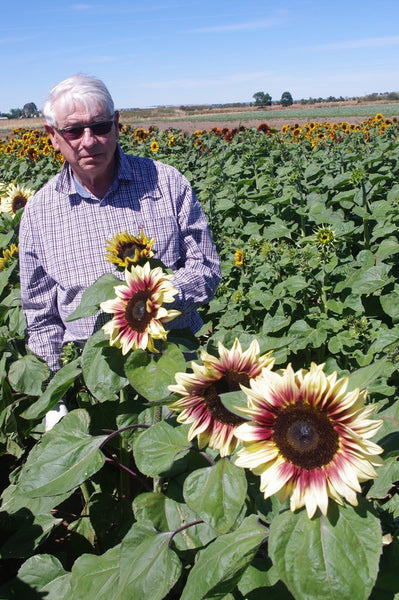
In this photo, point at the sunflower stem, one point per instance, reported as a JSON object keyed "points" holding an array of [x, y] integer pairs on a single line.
{"points": [[156, 418]]}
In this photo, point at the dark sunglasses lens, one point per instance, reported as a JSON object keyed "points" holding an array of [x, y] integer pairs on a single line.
{"points": [[101, 128], [74, 133]]}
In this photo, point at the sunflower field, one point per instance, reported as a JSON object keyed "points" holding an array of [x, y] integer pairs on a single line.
{"points": [[257, 459]]}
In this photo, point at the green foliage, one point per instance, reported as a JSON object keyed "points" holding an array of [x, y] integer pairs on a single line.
{"points": [[115, 501]]}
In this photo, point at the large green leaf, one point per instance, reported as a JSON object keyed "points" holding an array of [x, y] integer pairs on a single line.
{"points": [[335, 557], [95, 576], [58, 386], [41, 576], [148, 569], [100, 291], [27, 375], [363, 377], [157, 448], [151, 374], [65, 458], [102, 367], [217, 494], [220, 565], [179, 515]]}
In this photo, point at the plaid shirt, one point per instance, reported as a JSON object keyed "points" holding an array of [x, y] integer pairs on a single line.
{"points": [[62, 240]]}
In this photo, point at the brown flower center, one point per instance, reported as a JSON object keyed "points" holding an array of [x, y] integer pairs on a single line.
{"points": [[305, 436], [230, 382], [18, 202], [137, 314], [128, 250]]}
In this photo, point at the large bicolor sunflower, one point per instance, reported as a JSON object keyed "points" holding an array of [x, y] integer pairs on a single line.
{"points": [[308, 438], [125, 249], [15, 198], [201, 405], [138, 310]]}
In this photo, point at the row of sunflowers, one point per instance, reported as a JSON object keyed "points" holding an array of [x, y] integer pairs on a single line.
{"points": [[175, 477]]}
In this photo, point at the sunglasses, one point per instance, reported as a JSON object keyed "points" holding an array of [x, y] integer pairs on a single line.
{"points": [[76, 132]]}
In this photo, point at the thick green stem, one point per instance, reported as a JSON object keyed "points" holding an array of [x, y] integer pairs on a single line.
{"points": [[157, 416], [366, 229]]}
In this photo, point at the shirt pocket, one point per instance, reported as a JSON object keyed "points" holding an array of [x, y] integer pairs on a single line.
{"points": [[166, 232]]}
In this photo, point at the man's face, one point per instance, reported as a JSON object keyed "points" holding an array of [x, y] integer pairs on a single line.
{"points": [[89, 155]]}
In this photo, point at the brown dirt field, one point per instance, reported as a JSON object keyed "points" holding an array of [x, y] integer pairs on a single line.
{"points": [[189, 126]]}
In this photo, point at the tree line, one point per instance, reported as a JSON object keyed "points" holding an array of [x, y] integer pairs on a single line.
{"points": [[29, 110]]}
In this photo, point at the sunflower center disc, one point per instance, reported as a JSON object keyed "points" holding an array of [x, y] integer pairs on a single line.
{"points": [[305, 436], [129, 250], [139, 310], [230, 382]]}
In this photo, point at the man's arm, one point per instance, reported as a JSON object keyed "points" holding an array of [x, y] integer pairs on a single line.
{"points": [[199, 275], [45, 330]]}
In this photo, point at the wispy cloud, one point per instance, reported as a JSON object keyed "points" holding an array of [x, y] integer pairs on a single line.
{"points": [[81, 6], [374, 42], [244, 26]]}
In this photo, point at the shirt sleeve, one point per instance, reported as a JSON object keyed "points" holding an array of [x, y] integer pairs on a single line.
{"points": [[199, 274], [45, 330]]}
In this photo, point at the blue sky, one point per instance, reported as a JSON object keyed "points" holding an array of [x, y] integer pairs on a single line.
{"points": [[175, 52]]}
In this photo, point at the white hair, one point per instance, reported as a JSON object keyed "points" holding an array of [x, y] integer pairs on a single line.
{"points": [[79, 89]]}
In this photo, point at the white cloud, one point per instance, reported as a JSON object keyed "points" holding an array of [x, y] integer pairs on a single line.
{"points": [[245, 26]]}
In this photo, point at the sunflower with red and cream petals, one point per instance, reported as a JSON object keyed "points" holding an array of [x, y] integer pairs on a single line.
{"points": [[201, 405], [308, 437], [138, 309]]}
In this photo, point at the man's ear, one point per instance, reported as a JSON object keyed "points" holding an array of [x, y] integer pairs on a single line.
{"points": [[53, 138]]}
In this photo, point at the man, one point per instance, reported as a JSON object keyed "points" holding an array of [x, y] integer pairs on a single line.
{"points": [[101, 192]]}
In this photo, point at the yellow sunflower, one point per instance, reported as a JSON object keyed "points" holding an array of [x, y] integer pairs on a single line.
{"points": [[308, 438], [201, 405], [325, 237], [8, 254], [125, 249], [16, 198], [239, 258], [138, 309], [154, 146]]}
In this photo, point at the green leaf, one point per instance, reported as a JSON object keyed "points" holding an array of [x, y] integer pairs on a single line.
{"points": [[58, 386], [178, 515], [102, 367], [150, 506], [151, 374], [96, 576], [235, 402], [217, 494], [100, 291], [41, 576], [148, 569], [390, 304], [159, 447], [66, 457], [220, 565], [363, 377], [338, 553], [27, 375], [388, 474]]}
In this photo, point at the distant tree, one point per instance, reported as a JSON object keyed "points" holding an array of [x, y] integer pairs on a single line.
{"points": [[262, 99], [16, 113], [30, 109], [286, 99]]}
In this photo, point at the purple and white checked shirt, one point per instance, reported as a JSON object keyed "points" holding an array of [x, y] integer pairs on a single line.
{"points": [[62, 241]]}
